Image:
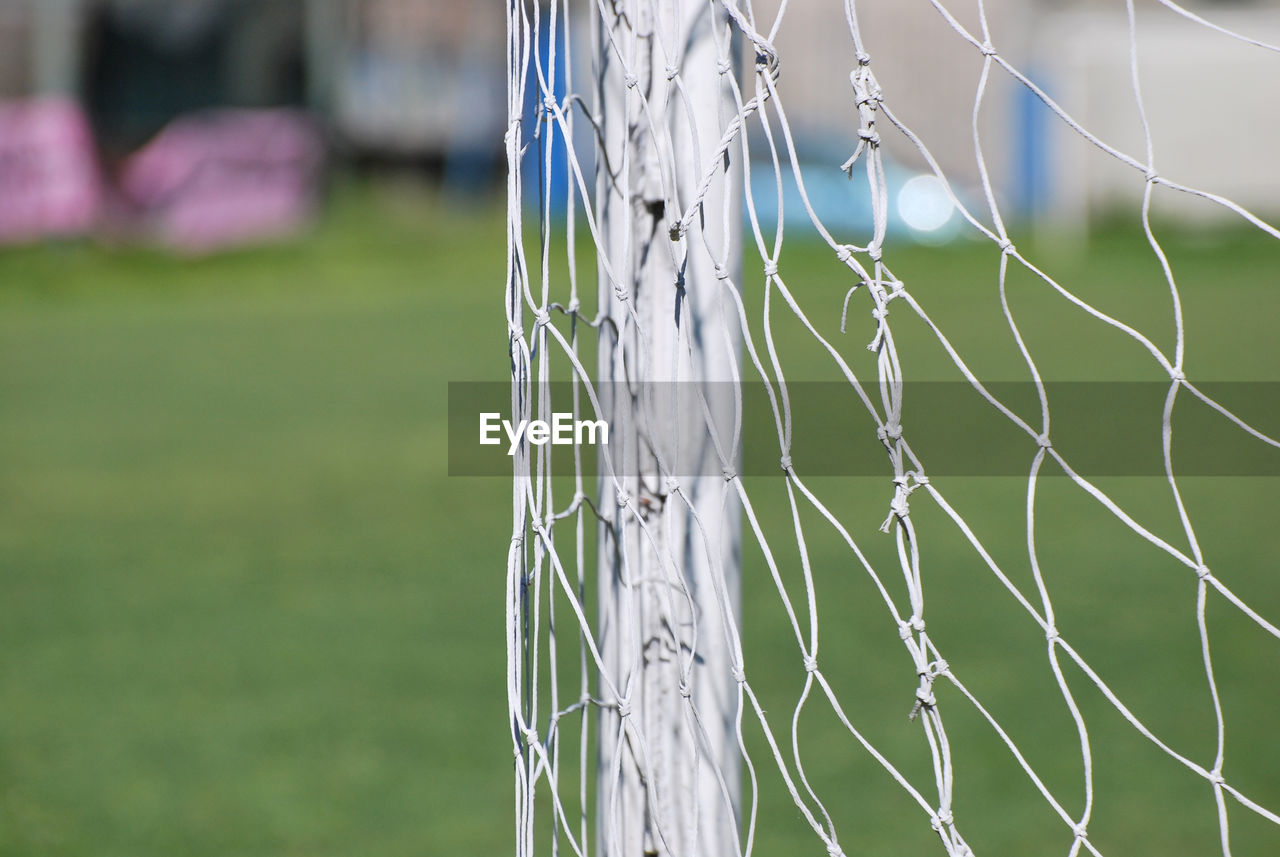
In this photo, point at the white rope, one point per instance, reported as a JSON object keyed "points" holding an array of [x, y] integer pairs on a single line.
{"points": [[550, 581]]}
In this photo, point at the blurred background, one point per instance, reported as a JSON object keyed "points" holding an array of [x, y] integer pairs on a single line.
{"points": [[245, 245]]}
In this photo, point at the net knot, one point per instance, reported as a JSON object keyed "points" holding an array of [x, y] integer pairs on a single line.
{"points": [[924, 698], [785, 461], [770, 268], [877, 340], [623, 498], [889, 431], [874, 252], [729, 474], [942, 818], [1043, 441], [834, 849], [724, 66], [541, 318], [515, 331], [684, 689], [738, 675], [624, 707], [766, 59], [573, 306], [620, 292], [672, 71], [844, 253], [1081, 830], [1177, 375], [549, 104], [988, 49], [898, 506], [863, 58], [880, 313], [1202, 571], [864, 96], [1006, 246], [1051, 634], [530, 735], [1152, 176], [631, 80], [1215, 777], [869, 135], [930, 671], [722, 273], [673, 485], [810, 663]]}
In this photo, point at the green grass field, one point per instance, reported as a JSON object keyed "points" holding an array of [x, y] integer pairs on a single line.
{"points": [[243, 610]]}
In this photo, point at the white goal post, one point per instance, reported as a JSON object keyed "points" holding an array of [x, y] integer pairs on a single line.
{"points": [[648, 143]]}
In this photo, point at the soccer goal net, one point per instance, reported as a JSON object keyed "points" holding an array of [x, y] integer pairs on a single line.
{"points": [[926, 354]]}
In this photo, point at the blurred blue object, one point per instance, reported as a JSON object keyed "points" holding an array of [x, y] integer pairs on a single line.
{"points": [[920, 210], [537, 167], [1034, 187]]}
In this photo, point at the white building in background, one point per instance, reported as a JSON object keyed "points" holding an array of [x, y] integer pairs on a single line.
{"points": [[413, 76], [1213, 102]]}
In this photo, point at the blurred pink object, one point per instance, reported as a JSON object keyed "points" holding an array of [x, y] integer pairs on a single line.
{"points": [[227, 177], [49, 180]]}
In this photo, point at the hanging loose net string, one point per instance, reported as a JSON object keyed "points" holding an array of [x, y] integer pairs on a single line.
{"points": [[577, 738]]}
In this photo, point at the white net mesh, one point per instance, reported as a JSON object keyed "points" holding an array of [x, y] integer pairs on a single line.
{"points": [[635, 703]]}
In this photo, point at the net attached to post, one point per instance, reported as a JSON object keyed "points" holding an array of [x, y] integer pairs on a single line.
{"points": [[637, 130]]}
